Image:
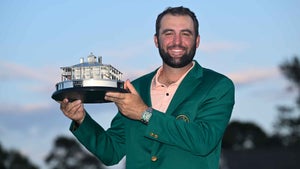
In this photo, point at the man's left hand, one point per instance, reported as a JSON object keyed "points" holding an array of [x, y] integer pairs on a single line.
{"points": [[129, 104]]}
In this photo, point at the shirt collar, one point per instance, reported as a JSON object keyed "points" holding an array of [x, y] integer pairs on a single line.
{"points": [[156, 83]]}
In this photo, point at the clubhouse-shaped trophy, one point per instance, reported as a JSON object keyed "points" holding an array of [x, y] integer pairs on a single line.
{"points": [[88, 81]]}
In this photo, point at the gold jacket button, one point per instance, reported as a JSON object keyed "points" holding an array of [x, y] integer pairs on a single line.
{"points": [[153, 135], [153, 158]]}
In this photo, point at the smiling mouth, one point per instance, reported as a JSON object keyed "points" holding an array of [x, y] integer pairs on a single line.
{"points": [[176, 51]]}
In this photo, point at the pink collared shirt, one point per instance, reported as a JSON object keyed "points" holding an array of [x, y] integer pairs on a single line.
{"points": [[161, 95]]}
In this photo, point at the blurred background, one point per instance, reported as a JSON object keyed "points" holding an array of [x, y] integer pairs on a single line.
{"points": [[255, 43]]}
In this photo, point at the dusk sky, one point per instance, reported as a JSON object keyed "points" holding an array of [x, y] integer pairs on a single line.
{"points": [[245, 40]]}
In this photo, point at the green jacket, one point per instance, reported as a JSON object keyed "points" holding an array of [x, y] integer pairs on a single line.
{"points": [[187, 136]]}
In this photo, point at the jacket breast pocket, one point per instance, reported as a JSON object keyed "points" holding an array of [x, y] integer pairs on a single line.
{"points": [[186, 111]]}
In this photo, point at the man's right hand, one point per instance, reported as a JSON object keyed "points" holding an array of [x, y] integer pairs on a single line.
{"points": [[73, 110]]}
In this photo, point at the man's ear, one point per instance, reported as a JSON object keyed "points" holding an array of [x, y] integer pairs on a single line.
{"points": [[197, 41], [155, 38]]}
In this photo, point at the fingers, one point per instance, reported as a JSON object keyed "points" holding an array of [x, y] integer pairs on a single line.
{"points": [[63, 104], [73, 110], [114, 96], [70, 108], [130, 87], [118, 97]]}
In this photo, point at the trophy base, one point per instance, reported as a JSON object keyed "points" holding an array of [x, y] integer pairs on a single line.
{"points": [[85, 94]]}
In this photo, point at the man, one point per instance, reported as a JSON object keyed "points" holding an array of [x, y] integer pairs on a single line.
{"points": [[173, 117]]}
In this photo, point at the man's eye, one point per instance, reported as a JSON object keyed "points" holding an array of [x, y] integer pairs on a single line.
{"points": [[186, 34], [168, 33]]}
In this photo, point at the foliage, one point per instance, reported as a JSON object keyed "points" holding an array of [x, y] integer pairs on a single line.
{"points": [[243, 135], [291, 70], [288, 123], [68, 154], [12, 159]]}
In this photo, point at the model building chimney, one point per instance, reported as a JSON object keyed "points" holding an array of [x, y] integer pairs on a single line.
{"points": [[81, 60], [100, 59]]}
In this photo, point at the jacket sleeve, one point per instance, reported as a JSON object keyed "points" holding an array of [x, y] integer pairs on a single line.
{"points": [[108, 146], [204, 132]]}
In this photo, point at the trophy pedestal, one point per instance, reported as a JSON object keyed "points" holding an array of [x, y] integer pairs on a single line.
{"points": [[88, 91]]}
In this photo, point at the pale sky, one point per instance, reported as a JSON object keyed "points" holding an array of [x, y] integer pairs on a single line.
{"points": [[245, 40]]}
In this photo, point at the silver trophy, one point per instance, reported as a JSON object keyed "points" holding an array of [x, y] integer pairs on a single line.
{"points": [[88, 81]]}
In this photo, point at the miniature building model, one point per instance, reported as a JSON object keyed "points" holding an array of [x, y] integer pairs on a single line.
{"points": [[88, 81], [92, 69]]}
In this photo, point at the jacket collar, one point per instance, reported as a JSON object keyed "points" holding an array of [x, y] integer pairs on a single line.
{"points": [[185, 89]]}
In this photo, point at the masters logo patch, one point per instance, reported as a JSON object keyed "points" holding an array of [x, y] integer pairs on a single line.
{"points": [[183, 117]]}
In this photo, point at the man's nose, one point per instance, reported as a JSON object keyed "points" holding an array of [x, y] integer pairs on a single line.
{"points": [[177, 39]]}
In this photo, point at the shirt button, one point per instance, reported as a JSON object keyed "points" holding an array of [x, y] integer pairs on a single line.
{"points": [[153, 158]]}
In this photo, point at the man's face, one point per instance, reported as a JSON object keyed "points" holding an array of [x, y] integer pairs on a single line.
{"points": [[176, 40]]}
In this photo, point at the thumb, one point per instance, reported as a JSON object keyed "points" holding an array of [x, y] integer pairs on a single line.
{"points": [[130, 87]]}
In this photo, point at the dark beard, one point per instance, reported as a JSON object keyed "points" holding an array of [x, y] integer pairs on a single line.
{"points": [[184, 60]]}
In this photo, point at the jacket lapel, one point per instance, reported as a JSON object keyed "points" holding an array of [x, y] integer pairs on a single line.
{"points": [[145, 88], [186, 87]]}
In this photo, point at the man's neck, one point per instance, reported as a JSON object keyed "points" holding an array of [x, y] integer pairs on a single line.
{"points": [[171, 75]]}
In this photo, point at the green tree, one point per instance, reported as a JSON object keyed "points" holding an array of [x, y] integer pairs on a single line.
{"points": [[287, 125], [12, 159], [243, 135], [68, 154]]}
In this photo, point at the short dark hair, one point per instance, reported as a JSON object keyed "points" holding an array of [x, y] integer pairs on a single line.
{"points": [[177, 11]]}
